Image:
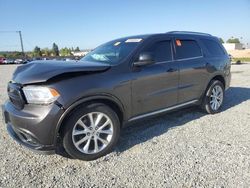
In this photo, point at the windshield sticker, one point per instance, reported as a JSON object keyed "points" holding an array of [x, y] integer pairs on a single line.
{"points": [[117, 43], [99, 57], [133, 40]]}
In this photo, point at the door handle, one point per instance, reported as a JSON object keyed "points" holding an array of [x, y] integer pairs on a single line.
{"points": [[171, 70]]}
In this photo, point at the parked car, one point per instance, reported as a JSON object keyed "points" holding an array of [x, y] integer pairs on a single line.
{"points": [[2, 60], [45, 58], [230, 57], [18, 61], [26, 61], [83, 106], [68, 59], [8, 61], [36, 58]]}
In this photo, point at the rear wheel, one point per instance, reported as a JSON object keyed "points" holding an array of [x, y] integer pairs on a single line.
{"points": [[91, 132], [213, 98]]}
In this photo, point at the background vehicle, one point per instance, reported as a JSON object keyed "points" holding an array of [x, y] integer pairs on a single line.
{"points": [[84, 105], [230, 57], [8, 61], [18, 61], [2, 60], [68, 59]]}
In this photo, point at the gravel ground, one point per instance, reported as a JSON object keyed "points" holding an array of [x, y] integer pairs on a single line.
{"points": [[182, 149]]}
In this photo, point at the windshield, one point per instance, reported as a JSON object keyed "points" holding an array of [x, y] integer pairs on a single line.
{"points": [[112, 52]]}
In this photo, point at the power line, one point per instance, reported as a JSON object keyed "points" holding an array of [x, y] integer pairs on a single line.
{"points": [[8, 31], [20, 36], [9, 45]]}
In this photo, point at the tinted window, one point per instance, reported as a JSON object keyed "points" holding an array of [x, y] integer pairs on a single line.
{"points": [[213, 47], [187, 49], [161, 51]]}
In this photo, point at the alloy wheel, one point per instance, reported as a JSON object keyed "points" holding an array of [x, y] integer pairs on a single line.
{"points": [[216, 97], [92, 132]]}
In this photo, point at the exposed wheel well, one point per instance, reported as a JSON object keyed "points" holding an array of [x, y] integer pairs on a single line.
{"points": [[107, 102], [220, 78]]}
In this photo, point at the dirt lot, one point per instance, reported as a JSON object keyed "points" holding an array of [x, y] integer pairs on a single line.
{"points": [[240, 53], [183, 149]]}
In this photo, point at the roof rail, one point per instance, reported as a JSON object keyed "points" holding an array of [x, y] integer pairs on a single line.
{"points": [[188, 32]]}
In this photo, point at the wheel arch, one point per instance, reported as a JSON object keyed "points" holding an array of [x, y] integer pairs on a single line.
{"points": [[214, 77], [204, 98], [108, 100], [220, 78]]}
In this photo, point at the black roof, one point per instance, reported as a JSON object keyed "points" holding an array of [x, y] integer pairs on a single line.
{"points": [[171, 33], [188, 33]]}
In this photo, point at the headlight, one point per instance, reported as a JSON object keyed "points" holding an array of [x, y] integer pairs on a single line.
{"points": [[40, 95]]}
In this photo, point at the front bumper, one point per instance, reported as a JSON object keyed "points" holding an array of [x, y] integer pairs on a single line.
{"points": [[34, 126]]}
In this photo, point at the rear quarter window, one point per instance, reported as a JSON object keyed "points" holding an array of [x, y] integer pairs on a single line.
{"points": [[213, 48], [187, 49]]}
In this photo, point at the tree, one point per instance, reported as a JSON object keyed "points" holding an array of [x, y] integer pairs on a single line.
{"points": [[4, 55], [65, 51], [55, 49], [46, 52], [77, 49], [233, 40], [37, 51], [221, 40]]}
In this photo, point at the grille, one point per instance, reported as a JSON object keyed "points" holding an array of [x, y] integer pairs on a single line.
{"points": [[15, 95]]}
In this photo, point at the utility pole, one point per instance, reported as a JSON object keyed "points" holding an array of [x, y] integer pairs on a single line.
{"points": [[21, 41]]}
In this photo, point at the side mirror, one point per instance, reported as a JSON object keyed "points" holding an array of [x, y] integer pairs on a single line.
{"points": [[145, 58]]}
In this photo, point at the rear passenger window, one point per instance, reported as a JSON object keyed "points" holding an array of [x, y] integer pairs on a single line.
{"points": [[213, 47], [187, 49], [161, 51]]}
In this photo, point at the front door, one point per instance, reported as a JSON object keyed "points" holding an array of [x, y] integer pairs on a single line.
{"points": [[155, 86]]}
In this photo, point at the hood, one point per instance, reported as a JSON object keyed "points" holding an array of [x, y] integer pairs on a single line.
{"points": [[41, 71]]}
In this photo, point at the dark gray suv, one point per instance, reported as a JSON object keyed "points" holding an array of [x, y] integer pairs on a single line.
{"points": [[83, 105]]}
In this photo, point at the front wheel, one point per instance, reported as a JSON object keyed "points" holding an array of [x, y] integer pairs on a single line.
{"points": [[213, 98], [91, 132]]}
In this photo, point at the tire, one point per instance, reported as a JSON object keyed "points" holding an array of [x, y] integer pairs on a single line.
{"points": [[85, 139], [207, 104]]}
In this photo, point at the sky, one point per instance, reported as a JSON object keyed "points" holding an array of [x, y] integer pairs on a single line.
{"points": [[89, 23]]}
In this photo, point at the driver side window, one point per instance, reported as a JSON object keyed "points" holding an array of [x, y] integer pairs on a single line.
{"points": [[160, 51]]}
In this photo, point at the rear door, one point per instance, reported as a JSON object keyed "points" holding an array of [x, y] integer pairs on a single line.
{"points": [[192, 68], [155, 86]]}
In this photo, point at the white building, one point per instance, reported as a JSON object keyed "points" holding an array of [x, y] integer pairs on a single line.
{"points": [[233, 46]]}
